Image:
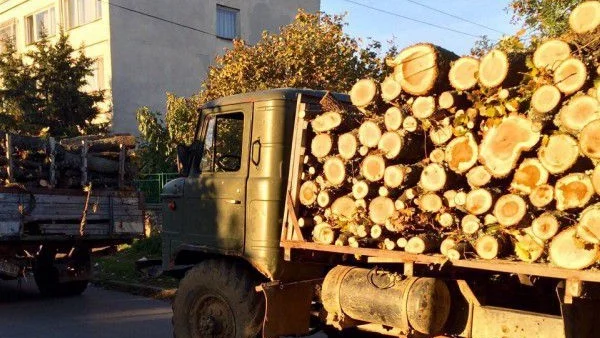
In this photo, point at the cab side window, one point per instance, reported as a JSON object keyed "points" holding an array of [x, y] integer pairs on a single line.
{"points": [[223, 143]]}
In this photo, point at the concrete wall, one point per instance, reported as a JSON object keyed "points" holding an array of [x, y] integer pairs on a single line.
{"points": [[151, 57]]}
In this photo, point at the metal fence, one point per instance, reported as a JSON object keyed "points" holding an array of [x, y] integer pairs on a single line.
{"points": [[151, 185]]}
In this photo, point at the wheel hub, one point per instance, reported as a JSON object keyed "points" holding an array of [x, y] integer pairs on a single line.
{"points": [[214, 317]]}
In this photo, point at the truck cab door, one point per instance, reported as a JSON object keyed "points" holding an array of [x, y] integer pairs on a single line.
{"points": [[215, 195]]}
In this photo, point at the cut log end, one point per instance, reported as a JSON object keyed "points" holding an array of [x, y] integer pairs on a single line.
{"points": [[541, 196], [369, 134], [489, 246], [446, 219], [393, 118], [433, 177], [463, 73], [423, 243], [326, 122], [529, 175], [410, 124], [570, 76], [308, 193], [430, 202], [423, 107], [510, 209], [437, 155], [334, 170], [347, 146], [551, 53], [588, 228], [493, 69], [447, 243], [344, 207], [545, 99], [323, 234], [479, 201], [373, 168], [363, 92], [461, 153], [393, 176], [323, 199], [478, 176], [573, 191], [321, 145], [390, 89], [545, 226], [577, 113], [596, 179], [585, 17], [360, 190], [470, 224], [559, 153], [381, 209], [390, 144], [441, 135], [528, 248], [589, 142], [570, 252]]}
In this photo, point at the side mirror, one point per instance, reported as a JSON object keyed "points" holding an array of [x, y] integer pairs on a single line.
{"points": [[183, 159]]}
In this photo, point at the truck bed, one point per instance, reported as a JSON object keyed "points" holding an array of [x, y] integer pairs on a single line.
{"points": [[36, 215], [295, 245]]}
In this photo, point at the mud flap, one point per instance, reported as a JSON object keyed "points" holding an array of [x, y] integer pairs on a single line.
{"points": [[287, 310]]}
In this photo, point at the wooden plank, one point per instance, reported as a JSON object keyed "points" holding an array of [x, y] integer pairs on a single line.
{"points": [[293, 218], [9, 158]]}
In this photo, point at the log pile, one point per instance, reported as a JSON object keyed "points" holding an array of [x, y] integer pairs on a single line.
{"points": [[497, 157], [103, 161]]}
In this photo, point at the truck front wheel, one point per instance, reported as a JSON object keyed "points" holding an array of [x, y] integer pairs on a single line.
{"points": [[217, 299]]}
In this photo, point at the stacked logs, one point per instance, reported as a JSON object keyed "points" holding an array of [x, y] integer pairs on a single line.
{"points": [[33, 162], [497, 157]]}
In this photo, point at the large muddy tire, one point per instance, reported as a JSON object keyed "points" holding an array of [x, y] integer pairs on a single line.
{"points": [[217, 299], [46, 274]]}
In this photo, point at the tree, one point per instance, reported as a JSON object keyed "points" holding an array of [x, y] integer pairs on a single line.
{"points": [[311, 52], [43, 90], [548, 18]]}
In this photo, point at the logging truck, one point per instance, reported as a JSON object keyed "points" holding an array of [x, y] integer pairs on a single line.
{"points": [[59, 200], [458, 197]]}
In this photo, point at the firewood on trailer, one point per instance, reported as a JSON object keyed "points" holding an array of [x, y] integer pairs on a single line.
{"points": [[323, 233], [308, 193], [369, 134], [596, 179], [478, 176], [381, 209], [305, 222], [373, 167], [430, 202], [529, 175], [334, 171], [326, 122], [361, 190], [446, 219], [363, 92], [585, 17], [391, 144], [375, 231], [510, 209], [567, 250], [422, 68], [573, 191], [461, 153], [449, 196], [502, 144], [347, 146], [570, 75], [491, 246], [344, 207], [459, 251], [423, 243], [383, 191], [470, 224], [551, 53], [559, 153], [545, 226], [479, 201], [577, 113], [541, 196], [434, 177], [324, 198], [589, 143], [588, 228], [402, 242], [498, 68], [389, 244], [437, 155], [423, 107], [463, 73], [410, 124], [440, 135], [392, 119], [460, 199], [545, 99], [321, 145], [447, 243], [528, 247], [363, 150], [399, 204], [451, 99], [393, 176], [390, 89]]}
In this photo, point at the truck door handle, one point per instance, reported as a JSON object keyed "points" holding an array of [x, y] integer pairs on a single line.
{"points": [[256, 152], [233, 201]]}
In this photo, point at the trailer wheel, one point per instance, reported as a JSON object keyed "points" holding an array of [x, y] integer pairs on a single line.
{"points": [[217, 299], [46, 273]]}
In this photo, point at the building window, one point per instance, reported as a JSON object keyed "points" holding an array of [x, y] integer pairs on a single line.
{"points": [[227, 22], [95, 81], [80, 12], [7, 34], [40, 24]]}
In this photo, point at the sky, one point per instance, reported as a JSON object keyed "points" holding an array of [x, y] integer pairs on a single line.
{"points": [[366, 22]]}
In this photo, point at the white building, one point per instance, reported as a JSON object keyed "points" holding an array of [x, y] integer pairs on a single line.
{"points": [[145, 48]]}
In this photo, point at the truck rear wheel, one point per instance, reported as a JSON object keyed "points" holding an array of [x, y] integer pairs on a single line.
{"points": [[47, 276], [217, 299]]}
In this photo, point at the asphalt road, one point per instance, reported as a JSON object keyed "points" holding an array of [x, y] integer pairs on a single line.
{"points": [[98, 313]]}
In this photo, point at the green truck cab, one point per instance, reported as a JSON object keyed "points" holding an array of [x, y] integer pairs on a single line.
{"points": [[227, 235]]}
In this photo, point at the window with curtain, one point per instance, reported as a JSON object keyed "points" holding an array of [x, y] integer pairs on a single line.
{"points": [[7, 33], [80, 12], [40, 24], [95, 81], [227, 22]]}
